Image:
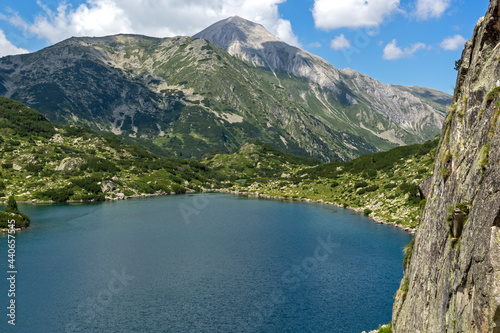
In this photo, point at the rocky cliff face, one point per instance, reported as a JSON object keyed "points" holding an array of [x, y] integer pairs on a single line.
{"points": [[252, 43], [452, 283]]}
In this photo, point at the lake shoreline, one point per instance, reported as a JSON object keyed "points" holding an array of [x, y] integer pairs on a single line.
{"points": [[249, 194], [358, 210]]}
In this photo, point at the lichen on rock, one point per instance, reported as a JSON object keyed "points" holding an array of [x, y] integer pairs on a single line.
{"points": [[453, 279]]}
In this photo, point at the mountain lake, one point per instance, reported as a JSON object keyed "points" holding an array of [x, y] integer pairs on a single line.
{"points": [[202, 263]]}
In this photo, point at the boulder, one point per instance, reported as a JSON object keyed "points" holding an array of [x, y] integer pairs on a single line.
{"points": [[108, 186], [57, 138], [424, 188], [69, 164]]}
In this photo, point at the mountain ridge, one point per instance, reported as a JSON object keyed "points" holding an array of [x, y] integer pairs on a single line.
{"points": [[185, 97], [302, 63], [41, 162]]}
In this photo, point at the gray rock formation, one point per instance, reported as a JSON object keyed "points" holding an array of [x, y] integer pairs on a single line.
{"points": [[69, 164], [424, 188], [453, 281], [108, 186]]}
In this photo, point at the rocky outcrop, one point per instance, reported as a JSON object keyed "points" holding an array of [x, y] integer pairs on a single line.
{"points": [[108, 186], [424, 188], [453, 281], [69, 164]]}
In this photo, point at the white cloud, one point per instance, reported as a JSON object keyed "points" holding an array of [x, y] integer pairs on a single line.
{"points": [[431, 8], [340, 43], [160, 18], [7, 48], [283, 29], [330, 14], [96, 18], [393, 52], [453, 43]]}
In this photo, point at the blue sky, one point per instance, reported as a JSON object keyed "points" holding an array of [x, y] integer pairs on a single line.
{"points": [[409, 42]]}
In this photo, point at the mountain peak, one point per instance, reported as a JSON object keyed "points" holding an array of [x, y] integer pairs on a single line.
{"points": [[238, 19], [234, 31], [247, 26], [252, 43]]}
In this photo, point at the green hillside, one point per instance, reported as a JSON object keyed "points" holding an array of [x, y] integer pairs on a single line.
{"points": [[44, 163], [383, 185], [186, 97]]}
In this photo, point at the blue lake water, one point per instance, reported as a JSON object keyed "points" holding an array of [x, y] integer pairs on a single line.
{"points": [[202, 263]]}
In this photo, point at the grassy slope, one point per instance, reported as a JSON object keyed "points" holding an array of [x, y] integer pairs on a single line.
{"points": [[186, 97], [384, 183], [257, 161], [41, 162]]}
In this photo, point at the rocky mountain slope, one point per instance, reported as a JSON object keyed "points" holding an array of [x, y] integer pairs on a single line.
{"points": [[452, 282], [407, 109], [187, 97]]}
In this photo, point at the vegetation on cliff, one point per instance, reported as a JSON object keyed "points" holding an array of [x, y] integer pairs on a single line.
{"points": [[452, 273]]}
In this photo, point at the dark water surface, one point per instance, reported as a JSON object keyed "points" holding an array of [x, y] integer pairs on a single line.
{"points": [[202, 263]]}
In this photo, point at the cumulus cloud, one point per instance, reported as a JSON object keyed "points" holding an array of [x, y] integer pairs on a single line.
{"points": [[340, 43], [283, 29], [431, 8], [329, 15], [7, 48], [392, 51], [96, 18], [453, 43], [160, 18]]}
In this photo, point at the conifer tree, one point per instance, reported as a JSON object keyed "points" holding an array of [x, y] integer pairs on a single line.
{"points": [[11, 205]]}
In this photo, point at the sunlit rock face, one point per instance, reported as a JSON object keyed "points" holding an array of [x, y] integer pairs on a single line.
{"points": [[453, 281]]}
